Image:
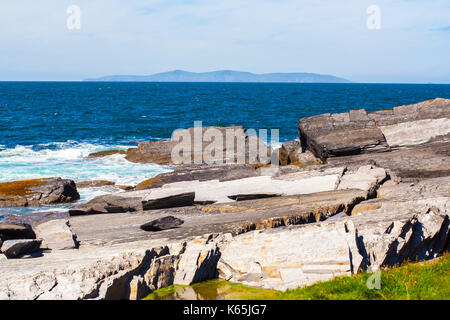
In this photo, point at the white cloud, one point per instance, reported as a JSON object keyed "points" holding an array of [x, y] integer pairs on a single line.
{"points": [[143, 37]]}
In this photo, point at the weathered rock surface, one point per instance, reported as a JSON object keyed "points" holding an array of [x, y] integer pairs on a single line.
{"points": [[187, 193], [132, 267], [36, 218], [56, 235], [199, 146], [365, 178], [292, 153], [359, 212], [106, 153], [111, 203], [420, 162], [319, 252], [221, 172], [159, 152], [37, 192], [164, 223], [330, 135], [16, 248]]}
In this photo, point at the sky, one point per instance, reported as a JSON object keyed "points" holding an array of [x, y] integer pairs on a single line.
{"points": [[142, 37]]}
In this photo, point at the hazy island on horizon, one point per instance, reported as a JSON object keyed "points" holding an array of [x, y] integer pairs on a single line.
{"points": [[224, 76]]}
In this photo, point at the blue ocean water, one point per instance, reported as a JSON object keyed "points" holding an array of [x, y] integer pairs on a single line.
{"points": [[35, 113], [48, 128]]}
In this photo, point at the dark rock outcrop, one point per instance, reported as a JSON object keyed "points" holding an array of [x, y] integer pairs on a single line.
{"points": [[357, 132], [37, 192], [12, 231], [160, 152], [164, 223], [244, 197], [108, 204], [179, 200], [332, 135]]}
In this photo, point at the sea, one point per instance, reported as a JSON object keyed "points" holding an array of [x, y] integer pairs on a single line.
{"points": [[47, 129]]}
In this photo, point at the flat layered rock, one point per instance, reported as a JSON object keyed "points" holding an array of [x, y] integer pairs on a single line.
{"points": [[298, 256], [36, 218], [221, 172], [177, 194], [37, 192], [332, 135], [130, 263], [234, 217], [420, 162], [174, 201]]}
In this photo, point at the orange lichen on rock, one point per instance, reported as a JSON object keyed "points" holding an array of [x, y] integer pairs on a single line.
{"points": [[365, 207], [19, 188], [155, 182]]}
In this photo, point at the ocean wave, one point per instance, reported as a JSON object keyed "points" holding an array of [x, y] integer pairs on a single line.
{"points": [[69, 160]]}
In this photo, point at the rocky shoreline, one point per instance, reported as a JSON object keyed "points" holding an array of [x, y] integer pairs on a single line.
{"points": [[357, 192]]}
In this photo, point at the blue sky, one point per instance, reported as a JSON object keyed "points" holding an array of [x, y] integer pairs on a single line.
{"points": [[145, 37]]}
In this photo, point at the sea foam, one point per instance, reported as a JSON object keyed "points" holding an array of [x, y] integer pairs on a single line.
{"points": [[69, 160]]}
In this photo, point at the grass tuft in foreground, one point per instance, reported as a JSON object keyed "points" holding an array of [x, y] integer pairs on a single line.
{"points": [[415, 281]]}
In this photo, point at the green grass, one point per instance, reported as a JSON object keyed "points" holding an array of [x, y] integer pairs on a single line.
{"points": [[412, 281]]}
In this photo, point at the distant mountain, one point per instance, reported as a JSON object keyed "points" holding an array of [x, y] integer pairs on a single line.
{"points": [[225, 76]]}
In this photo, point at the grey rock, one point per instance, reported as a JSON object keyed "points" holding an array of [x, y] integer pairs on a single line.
{"points": [[326, 136], [253, 151], [338, 247], [37, 192], [221, 172], [164, 223], [16, 248], [108, 204], [356, 132], [36, 218], [179, 200], [56, 235]]}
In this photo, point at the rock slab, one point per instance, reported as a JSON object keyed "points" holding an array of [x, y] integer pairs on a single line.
{"points": [[17, 248], [179, 200], [164, 223], [357, 132], [37, 192], [56, 235]]}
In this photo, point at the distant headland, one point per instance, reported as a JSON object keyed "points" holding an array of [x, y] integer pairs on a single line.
{"points": [[225, 76]]}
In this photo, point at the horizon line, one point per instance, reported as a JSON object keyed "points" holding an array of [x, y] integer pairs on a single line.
{"points": [[254, 82]]}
